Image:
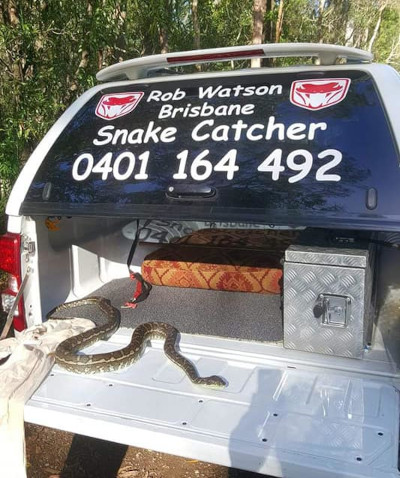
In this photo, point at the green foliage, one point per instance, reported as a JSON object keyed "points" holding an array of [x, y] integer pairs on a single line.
{"points": [[229, 22], [49, 54], [387, 48], [302, 27]]}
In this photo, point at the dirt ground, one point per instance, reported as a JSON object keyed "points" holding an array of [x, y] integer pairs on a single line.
{"points": [[55, 454]]}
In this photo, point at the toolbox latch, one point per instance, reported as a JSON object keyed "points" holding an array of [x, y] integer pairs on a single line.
{"points": [[334, 310]]}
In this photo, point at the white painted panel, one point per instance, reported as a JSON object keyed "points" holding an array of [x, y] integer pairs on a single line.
{"points": [[292, 422]]}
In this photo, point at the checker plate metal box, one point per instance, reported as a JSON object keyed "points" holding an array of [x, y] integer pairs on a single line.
{"points": [[328, 297]]}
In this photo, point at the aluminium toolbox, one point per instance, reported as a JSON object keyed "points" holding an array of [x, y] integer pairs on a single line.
{"points": [[328, 299]]}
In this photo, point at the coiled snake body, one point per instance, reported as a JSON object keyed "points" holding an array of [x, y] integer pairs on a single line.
{"points": [[67, 351]]}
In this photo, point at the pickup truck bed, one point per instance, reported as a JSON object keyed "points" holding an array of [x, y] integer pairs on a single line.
{"points": [[284, 412]]}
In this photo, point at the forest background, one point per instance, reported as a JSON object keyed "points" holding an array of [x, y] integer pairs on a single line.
{"points": [[50, 50]]}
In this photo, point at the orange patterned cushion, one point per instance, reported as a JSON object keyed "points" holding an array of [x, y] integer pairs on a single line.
{"points": [[218, 269], [215, 259]]}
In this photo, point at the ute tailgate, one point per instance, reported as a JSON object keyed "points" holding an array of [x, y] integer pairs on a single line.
{"points": [[277, 416]]}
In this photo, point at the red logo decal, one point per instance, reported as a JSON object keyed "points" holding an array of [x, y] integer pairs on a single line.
{"points": [[318, 94], [114, 105]]}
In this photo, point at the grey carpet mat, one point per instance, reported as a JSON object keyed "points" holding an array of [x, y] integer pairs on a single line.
{"points": [[239, 315]]}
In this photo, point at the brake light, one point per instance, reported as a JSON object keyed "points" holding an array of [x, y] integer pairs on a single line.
{"points": [[217, 56], [10, 262]]}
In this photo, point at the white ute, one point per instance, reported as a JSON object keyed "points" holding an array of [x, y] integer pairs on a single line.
{"points": [[312, 150]]}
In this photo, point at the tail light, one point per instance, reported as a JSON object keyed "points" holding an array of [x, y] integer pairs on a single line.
{"points": [[231, 55], [10, 262]]}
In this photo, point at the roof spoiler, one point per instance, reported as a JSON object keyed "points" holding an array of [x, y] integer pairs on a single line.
{"points": [[139, 67]]}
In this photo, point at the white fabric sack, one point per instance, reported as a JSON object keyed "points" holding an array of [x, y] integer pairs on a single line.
{"points": [[31, 360]]}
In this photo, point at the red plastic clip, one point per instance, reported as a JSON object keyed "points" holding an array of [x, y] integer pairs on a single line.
{"points": [[141, 292]]}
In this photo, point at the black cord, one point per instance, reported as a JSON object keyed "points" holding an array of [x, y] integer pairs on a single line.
{"points": [[136, 240]]}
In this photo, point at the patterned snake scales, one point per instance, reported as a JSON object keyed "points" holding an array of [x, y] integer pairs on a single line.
{"points": [[66, 353]]}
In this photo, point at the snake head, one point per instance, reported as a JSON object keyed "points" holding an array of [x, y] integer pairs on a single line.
{"points": [[214, 381]]}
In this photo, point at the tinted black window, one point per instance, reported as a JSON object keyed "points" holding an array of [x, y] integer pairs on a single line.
{"points": [[300, 148]]}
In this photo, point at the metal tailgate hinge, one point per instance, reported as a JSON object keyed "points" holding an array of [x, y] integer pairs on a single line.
{"points": [[28, 247]]}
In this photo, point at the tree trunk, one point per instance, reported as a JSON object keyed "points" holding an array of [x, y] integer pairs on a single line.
{"points": [[349, 35], [84, 61], [164, 40], [279, 22], [259, 9], [196, 25], [377, 26], [268, 32], [394, 49], [14, 59], [196, 28], [321, 9], [13, 14]]}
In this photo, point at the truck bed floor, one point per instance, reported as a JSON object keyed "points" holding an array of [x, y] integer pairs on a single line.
{"points": [[197, 311]]}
